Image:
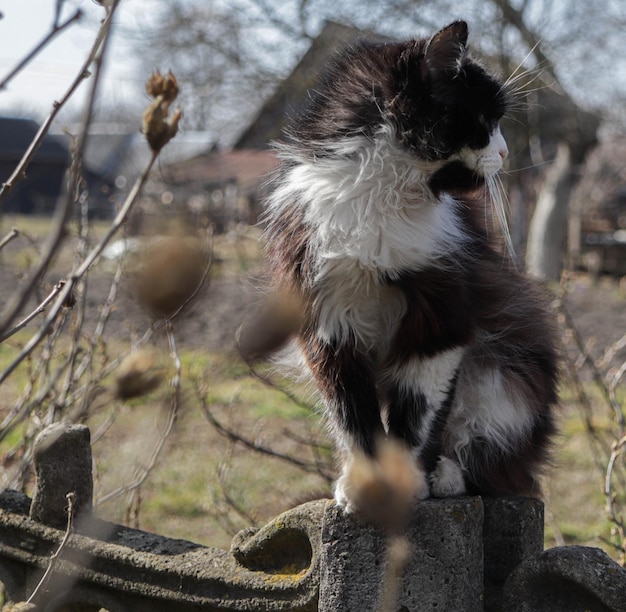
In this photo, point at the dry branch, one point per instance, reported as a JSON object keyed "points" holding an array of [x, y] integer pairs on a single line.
{"points": [[55, 238], [57, 28], [55, 556], [14, 233], [234, 436], [150, 465]]}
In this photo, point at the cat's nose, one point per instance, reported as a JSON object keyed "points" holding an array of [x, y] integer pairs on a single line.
{"points": [[499, 143]]}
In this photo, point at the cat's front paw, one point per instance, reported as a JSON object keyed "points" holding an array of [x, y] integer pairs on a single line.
{"points": [[381, 489], [342, 493], [447, 479]]}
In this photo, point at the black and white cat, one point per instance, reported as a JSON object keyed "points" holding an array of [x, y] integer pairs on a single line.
{"points": [[415, 324]]}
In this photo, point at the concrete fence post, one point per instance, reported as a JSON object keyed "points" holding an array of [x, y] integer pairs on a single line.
{"points": [[63, 464], [444, 572]]}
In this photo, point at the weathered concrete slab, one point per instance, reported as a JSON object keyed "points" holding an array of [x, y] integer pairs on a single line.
{"points": [[462, 554], [122, 569], [512, 532]]}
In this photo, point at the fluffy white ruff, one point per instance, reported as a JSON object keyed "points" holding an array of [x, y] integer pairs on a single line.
{"points": [[371, 213], [370, 208]]}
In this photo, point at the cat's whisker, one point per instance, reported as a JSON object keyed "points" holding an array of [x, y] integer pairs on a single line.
{"points": [[499, 200], [531, 167], [519, 66]]}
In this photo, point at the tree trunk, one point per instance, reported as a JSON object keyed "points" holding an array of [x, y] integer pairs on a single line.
{"points": [[548, 226]]}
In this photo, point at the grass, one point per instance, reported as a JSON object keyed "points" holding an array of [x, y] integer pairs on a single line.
{"points": [[205, 487], [202, 479]]}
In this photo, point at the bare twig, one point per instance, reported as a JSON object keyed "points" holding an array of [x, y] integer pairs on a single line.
{"points": [[247, 517], [83, 73], [234, 436], [19, 298], [619, 525], [78, 274], [87, 361], [150, 464], [14, 233], [585, 356], [615, 404], [18, 416], [41, 308], [203, 278], [611, 453], [53, 559], [172, 415], [266, 380], [24, 407]]}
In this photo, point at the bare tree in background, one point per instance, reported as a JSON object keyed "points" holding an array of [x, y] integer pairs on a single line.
{"points": [[248, 47]]}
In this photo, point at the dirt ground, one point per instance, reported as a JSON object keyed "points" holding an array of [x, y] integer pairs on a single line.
{"points": [[596, 306]]}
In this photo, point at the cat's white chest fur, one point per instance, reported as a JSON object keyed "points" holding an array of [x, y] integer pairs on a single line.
{"points": [[371, 215], [370, 207]]}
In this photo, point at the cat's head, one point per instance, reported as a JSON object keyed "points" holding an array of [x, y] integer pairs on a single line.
{"points": [[441, 105]]}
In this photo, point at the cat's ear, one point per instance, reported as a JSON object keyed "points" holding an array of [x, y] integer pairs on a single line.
{"points": [[444, 52]]}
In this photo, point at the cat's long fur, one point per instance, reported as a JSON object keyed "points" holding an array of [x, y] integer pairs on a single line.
{"points": [[414, 324]]}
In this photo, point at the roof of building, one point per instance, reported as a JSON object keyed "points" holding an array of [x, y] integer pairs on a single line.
{"points": [[16, 134], [248, 168], [292, 93]]}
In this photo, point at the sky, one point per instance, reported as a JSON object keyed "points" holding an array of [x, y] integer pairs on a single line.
{"points": [[32, 93], [25, 23]]}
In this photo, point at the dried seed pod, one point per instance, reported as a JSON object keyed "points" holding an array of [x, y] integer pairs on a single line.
{"points": [[166, 86], [169, 271], [158, 126], [267, 330], [384, 488], [139, 374]]}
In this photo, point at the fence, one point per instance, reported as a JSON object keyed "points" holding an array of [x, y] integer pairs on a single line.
{"points": [[466, 554]]}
